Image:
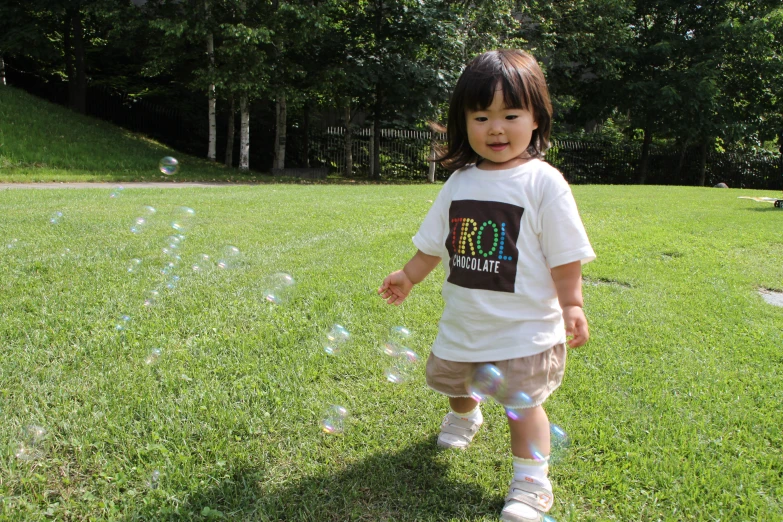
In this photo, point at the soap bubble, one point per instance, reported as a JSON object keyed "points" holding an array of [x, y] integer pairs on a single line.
{"points": [[55, 218], [30, 445], [148, 210], [201, 262], [122, 323], [134, 264], [183, 219], [117, 192], [485, 382], [154, 480], [516, 404], [278, 287], [174, 241], [333, 421], [12, 244], [230, 258], [151, 298], [168, 165], [153, 357], [403, 367], [560, 442], [172, 282], [336, 337], [138, 225], [399, 337]]}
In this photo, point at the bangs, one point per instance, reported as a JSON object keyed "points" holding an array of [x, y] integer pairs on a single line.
{"points": [[480, 90]]}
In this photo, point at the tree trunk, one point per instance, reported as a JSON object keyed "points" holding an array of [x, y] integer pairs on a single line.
{"points": [[348, 140], [306, 131], [79, 101], [68, 55], [211, 151], [702, 163], [2, 70], [433, 155], [375, 171], [645, 159], [681, 161], [244, 133], [230, 132], [280, 128], [372, 150]]}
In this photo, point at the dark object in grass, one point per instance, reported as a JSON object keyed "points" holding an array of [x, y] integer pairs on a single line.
{"points": [[721, 185], [779, 203], [303, 173]]}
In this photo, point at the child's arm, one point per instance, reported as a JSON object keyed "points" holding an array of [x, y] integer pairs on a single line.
{"points": [[397, 285], [568, 281]]}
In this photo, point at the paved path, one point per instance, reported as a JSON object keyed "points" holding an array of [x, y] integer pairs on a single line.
{"points": [[133, 184]]}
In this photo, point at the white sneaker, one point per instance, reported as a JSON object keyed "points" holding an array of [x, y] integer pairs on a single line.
{"points": [[457, 433], [527, 501]]}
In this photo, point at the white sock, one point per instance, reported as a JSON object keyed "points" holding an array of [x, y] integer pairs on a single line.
{"points": [[472, 415], [535, 469]]}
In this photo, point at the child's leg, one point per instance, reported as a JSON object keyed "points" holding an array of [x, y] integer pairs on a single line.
{"points": [[530, 494], [462, 404], [461, 423]]}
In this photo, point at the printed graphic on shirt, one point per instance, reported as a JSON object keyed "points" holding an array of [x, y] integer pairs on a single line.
{"points": [[482, 244]]}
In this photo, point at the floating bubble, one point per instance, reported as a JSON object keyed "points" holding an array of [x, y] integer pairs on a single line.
{"points": [[183, 219], [151, 298], [117, 192], [277, 287], [168, 165], [30, 445], [399, 336], [135, 263], [336, 337], [56, 218], [12, 244], [560, 442], [174, 241], [122, 323], [403, 367], [148, 210], [168, 268], [65, 253], [333, 421], [516, 403], [171, 284], [485, 382], [154, 480], [201, 263], [153, 357], [138, 225], [230, 258]]}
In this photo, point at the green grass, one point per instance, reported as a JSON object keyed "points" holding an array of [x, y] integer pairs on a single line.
{"points": [[673, 408], [41, 141]]}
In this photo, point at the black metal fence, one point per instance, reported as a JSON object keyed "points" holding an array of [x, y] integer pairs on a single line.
{"points": [[404, 155]]}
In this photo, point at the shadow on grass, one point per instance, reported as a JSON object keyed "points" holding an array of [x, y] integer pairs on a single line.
{"points": [[409, 484]]}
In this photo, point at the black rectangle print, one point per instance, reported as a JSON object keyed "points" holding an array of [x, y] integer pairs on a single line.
{"points": [[482, 244]]}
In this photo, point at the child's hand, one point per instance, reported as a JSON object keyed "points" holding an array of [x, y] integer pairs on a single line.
{"points": [[575, 326], [395, 288]]}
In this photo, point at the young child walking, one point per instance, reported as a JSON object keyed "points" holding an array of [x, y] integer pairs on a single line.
{"points": [[512, 243]]}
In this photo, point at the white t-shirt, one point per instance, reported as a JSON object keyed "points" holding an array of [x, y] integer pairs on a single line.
{"points": [[498, 233]]}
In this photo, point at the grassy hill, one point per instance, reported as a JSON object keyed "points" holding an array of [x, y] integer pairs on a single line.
{"points": [[41, 141]]}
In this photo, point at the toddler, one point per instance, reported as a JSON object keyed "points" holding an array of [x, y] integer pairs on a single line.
{"points": [[512, 243]]}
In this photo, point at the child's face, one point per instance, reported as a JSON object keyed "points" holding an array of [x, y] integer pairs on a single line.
{"points": [[500, 135]]}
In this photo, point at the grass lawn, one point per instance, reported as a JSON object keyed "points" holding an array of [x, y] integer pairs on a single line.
{"points": [[673, 409]]}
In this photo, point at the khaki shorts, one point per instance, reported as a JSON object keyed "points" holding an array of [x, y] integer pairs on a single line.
{"points": [[537, 376]]}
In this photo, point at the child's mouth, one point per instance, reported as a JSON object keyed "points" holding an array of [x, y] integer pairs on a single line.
{"points": [[497, 147]]}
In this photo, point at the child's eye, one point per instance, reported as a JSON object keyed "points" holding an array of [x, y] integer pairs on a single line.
{"points": [[512, 117], [480, 118]]}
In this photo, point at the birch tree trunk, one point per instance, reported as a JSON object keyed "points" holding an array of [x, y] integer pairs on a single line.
{"points": [[211, 154], [433, 155], [348, 141], [280, 128], [2, 70], [230, 132], [244, 133]]}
